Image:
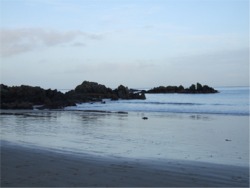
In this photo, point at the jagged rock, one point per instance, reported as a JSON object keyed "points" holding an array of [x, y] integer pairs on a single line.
{"points": [[139, 95], [17, 105], [92, 91], [89, 91], [25, 97], [191, 89], [123, 92], [167, 89], [92, 87], [198, 88]]}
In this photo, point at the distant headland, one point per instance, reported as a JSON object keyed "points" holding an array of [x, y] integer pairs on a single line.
{"points": [[26, 97]]}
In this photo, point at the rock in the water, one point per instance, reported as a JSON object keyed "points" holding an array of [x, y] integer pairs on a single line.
{"points": [[92, 88], [193, 89], [123, 92], [25, 97], [90, 91]]}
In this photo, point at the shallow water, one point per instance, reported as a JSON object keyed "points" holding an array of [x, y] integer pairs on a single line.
{"points": [[197, 137], [229, 101]]}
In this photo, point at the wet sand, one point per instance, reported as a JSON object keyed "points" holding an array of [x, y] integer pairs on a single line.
{"points": [[28, 167]]}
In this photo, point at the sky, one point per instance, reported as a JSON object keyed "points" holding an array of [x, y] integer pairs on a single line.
{"points": [[138, 43]]}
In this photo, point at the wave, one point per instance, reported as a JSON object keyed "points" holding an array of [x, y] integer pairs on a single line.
{"points": [[181, 111], [174, 103], [176, 108], [227, 102], [160, 103]]}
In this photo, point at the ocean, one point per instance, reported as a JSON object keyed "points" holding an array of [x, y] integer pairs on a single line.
{"points": [[229, 101], [210, 128]]}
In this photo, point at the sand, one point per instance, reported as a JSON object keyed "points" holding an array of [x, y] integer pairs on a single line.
{"points": [[38, 167]]}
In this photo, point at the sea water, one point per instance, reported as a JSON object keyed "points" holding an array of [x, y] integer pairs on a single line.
{"points": [[229, 100], [200, 127]]}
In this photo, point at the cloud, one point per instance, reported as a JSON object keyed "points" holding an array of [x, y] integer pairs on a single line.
{"points": [[16, 41], [79, 44]]}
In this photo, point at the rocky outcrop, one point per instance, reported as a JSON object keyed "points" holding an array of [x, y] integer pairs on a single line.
{"points": [[92, 88], [25, 97], [167, 89], [123, 92], [89, 91], [193, 89], [198, 88], [92, 91]]}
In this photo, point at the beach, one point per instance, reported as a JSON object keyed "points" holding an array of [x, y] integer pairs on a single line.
{"points": [[28, 167], [77, 148], [131, 93]]}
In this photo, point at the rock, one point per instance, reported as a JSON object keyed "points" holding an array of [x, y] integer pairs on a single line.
{"points": [[114, 98], [25, 97], [92, 91], [193, 89], [200, 89], [17, 105], [140, 95], [123, 92], [92, 88], [89, 91], [121, 112], [167, 89]]}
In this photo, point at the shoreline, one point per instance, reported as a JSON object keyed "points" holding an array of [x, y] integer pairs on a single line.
{"points": [[195, 137], [29, 167], [23, 111]]}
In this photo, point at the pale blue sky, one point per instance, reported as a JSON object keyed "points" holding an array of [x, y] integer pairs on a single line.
{"points": [[139, 43]]}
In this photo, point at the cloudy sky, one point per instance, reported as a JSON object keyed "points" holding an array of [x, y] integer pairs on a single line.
{"points": [[139, 43]]}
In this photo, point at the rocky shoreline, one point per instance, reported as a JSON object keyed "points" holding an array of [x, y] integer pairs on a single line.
{"points": [[28, 97]]}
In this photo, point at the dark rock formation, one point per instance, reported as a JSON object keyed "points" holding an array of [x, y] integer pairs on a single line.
{"points": [[25, 97], [89, 91], [123, 92], [167, 89], [92, 88], [139, 95], [198, 88], [92, 91]]}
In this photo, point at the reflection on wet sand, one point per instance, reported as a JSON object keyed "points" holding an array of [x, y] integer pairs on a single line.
{"points": [[162, 135]]}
